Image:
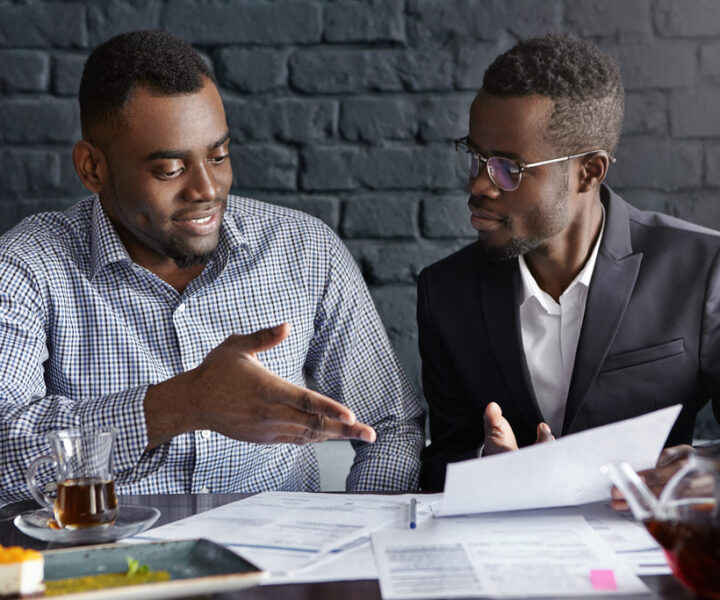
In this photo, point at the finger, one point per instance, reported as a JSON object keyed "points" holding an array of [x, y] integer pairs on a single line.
{"points": [[312, 427], [673, 454], [260, 340], [544, 434], [659, 477], [310, 402], [619, 505]]}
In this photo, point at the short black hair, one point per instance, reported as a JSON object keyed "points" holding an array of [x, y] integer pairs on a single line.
{"points": [[156, 59], [583, 81]]}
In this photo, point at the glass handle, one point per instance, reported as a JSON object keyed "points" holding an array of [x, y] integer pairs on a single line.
{"points": [[37, 493]]}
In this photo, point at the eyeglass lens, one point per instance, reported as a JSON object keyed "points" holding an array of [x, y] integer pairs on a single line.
{"points": [[503, 172]]}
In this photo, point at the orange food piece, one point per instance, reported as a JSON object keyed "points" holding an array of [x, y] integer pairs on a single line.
{"points": [[13, 554]]}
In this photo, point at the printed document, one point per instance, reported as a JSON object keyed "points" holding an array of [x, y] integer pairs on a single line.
{"points": [[560, 473], [500, 556], [295, 534]]}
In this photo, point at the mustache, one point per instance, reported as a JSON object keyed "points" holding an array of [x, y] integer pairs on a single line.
{"points": [[202, 208], [480, 205]]}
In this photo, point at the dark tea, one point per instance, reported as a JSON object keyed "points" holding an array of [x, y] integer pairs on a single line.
{"points": [[693, 553], [85, 502]]}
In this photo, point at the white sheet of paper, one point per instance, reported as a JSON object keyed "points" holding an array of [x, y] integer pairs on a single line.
{"points": [[299, 536], [561, 473], [626, 537], [499, 556]]}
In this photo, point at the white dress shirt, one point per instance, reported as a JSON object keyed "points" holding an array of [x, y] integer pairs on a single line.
{"points": [[550, 334]]}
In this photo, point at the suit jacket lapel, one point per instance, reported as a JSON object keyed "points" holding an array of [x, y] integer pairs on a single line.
{"points": [[500, 314], [611, 286]]}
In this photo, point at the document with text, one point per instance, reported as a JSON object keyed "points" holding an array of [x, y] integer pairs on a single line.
{"points": [[560, 473], [294, 535], [500, 556]]}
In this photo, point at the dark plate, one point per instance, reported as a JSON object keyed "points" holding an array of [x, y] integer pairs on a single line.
{"points": [[196, 567]]}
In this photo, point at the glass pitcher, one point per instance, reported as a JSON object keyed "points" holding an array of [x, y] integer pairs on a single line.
{"points": [[685, 520]]}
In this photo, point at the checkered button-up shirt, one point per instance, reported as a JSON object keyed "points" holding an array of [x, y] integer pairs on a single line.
{"points": [[84, 331]]}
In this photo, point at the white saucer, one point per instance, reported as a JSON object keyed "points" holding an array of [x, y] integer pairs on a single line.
{"points": [[131, 520]]}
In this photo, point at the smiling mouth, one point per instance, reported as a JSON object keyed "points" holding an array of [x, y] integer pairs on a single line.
{"points": [[204, 225]]}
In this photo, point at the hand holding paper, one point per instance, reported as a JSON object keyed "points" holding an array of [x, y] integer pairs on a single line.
{"points": [[563, 473], [670, 461]]}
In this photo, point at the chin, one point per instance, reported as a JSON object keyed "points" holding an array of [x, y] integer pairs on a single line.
{"points": [[193, 260], [512, 248], [186, 256]]}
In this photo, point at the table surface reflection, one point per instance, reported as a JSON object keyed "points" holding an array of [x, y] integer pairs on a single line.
{"points": [[178, 506]]}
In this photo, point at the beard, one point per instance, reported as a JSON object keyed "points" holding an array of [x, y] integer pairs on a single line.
{"points": [[185, 258], [542, 223], [512, 248]]}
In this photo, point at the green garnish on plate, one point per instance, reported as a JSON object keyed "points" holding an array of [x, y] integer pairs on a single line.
{"points": [[134, 567], [135, 574]]}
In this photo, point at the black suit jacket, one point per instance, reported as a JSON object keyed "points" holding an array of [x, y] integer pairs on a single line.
{"points": [[650, 337]]}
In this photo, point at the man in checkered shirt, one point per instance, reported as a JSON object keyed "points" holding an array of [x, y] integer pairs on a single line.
{"points": [[186, 317]]}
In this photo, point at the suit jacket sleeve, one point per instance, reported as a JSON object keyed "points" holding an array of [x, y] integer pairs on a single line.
{"points": [[454, 427], [710, 340]]}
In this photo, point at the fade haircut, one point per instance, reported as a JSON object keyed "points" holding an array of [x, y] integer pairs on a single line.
{"points": [[582, 80], [156, 60]]}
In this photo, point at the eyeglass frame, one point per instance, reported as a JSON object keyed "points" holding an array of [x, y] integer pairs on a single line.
{"points": [[523, 167]]}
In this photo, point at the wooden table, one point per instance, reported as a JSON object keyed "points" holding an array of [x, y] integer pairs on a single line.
{"points": [[178, 506]]}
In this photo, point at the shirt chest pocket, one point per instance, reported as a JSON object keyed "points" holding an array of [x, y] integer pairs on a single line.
{"points": [[642, 356]]}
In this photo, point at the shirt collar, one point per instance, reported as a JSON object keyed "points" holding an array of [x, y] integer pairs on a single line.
{"points": [[105, 243], [231, 236], [107, 247], [531, 289]]}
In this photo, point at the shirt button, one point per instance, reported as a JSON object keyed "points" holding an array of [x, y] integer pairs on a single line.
{"points": [[181, 308], [50, 487], [205, 433], [204, 490]]}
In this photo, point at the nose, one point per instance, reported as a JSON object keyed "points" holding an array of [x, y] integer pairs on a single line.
{"points": [[482, 185], [202, 186]]}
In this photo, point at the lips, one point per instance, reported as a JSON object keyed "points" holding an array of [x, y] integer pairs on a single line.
{"points": [[483, 220], [200, 223]]}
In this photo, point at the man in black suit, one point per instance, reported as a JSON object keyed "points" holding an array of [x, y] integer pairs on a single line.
{"points": [[572, 309]]}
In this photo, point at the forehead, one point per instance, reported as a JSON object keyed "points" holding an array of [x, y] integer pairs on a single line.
{"points": [[187, 121], [514, 125]]}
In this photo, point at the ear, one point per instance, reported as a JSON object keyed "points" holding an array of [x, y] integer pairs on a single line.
{"points": [[593, 170], [90, 165]]}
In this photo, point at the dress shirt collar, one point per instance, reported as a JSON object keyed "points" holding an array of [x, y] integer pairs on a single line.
{"points": [[107, 247], [530, 288]]}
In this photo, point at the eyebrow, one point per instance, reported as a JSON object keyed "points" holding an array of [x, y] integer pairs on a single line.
{"points": [[179, 154], [499, 153]]}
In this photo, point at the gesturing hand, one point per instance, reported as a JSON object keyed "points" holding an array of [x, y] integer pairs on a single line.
{"points": [[499, 436], [232, 393]]}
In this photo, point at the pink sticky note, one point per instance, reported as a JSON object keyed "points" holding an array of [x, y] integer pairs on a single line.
{"points": [[603, 579]]}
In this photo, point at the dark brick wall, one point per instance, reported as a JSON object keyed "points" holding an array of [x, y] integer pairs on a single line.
{"points": [[346, 109]]}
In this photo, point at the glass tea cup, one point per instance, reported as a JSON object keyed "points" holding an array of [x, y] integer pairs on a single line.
{"points": [[83, 460]]}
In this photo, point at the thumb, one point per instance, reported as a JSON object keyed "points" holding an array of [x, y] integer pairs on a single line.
{"points": [[263, 339], [499, 436], [493, 415], [544, 434]]}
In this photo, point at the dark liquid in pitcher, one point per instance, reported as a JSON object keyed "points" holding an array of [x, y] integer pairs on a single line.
{"points": [[85, 502], [693, 553]]}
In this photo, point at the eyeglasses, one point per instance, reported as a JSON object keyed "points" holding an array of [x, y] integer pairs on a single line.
{"points": [[505, 173]]}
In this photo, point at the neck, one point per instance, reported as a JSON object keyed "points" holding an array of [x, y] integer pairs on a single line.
{"points": [[556, 263], [162, 266]]}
